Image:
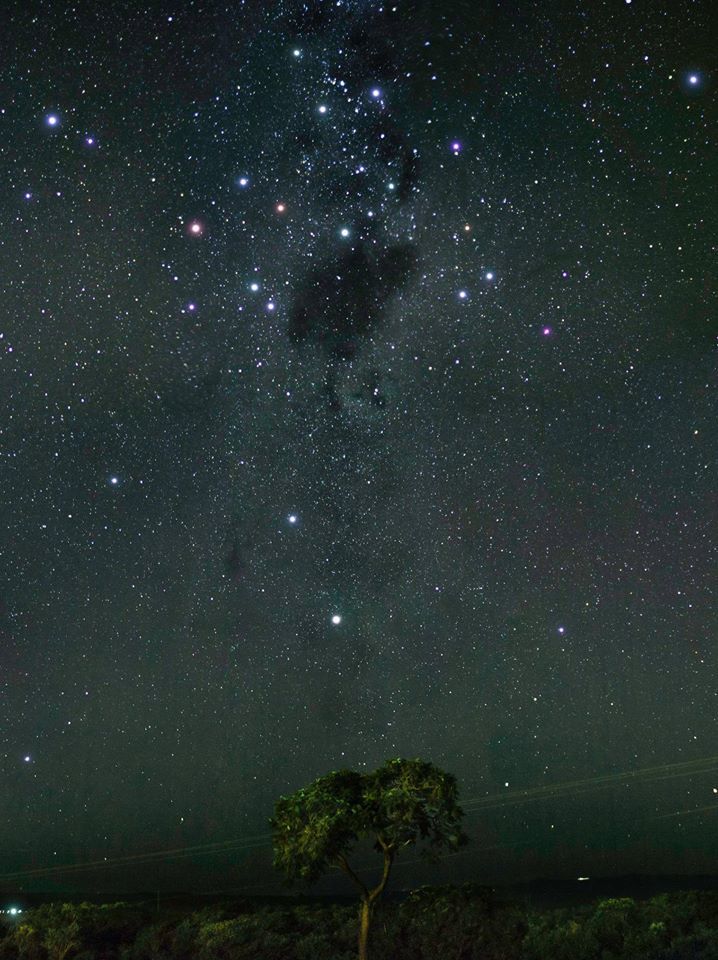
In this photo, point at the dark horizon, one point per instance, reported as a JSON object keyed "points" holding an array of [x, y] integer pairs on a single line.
{"points": [[358, 371]]}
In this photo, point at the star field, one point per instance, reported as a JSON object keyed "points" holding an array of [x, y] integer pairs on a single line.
{"points": [[358, 377]]}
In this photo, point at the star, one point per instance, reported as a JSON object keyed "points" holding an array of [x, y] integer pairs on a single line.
{"points": [[292, 518], [376, 93], [456, 147], [90, 141], [191, 307], [114, 481], [52, 120], [344, 232], [280, 208], [271, 306], [296, 52], [489, 276], [322, 108], [27, 759], [254, 287], [463, 294], [336, 619], [561, 630], [243, 181], [693, 79], [195, 228], [546, 331]]}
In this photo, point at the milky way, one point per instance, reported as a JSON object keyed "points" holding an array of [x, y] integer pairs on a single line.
{"points": [[358, 391]]}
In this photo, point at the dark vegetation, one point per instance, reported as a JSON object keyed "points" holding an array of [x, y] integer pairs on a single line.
{"points": [[451, 923]]}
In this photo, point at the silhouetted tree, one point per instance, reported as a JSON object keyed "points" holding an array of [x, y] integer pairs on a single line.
{"points": [[397, 805]]}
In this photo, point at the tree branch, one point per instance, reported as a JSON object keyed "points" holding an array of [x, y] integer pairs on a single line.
{"points": [[341, 860], [379, 888]]}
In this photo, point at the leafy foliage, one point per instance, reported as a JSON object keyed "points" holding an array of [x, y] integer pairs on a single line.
{"points": [[402, 802]]}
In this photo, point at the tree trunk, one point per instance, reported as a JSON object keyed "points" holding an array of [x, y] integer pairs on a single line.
{"points": [[364, 921]]}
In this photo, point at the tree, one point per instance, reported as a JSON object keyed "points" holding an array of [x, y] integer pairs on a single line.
{"points": [[396, 806]]}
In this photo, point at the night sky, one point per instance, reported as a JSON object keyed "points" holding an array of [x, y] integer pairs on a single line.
{"points": [[357, 378]]}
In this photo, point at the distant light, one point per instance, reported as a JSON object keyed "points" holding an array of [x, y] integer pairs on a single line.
{"points": [[392, 186], [271, 306], [27, 759], [280, 208], [344, 232], [191, 307], [489, 276], [562, 630], [463, 294], [90, 141], [546, 331], [693, 79], [254, 287], [322, 109], [296, 53], [195, 228], [376, 93], [52, 120], [243, 181], [456, 147], [13, 911], [114, 481], [292, 518], [336, 619], [588, 878]]}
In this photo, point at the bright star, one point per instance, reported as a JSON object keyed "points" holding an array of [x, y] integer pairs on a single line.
{"points": [[463, 294], [376, 93], [292, 518], [114, 481], [271, 306], [344, 232], [546, 331], [322, 109], [693, 79], [296, 53], [562, 630], [195, 228], [456, 147], [336, 619], [280, 208], [191, 307], [90, 141], [489, 276], [27, 759], [52, 120], [243, 181], [254, 287]]}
